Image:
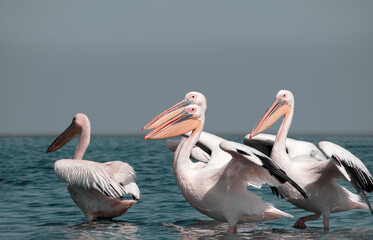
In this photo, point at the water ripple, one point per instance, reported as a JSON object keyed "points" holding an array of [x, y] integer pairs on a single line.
{"points": [[36, 204]]}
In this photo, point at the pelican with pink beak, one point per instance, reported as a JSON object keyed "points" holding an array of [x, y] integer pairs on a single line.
{"points": [[190, 98], [218, 188], [97, 188], [316, 175]]}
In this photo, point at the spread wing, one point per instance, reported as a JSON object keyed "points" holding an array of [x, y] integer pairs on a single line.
{"points": [[350, 167], [260, 167], [206, 150], [114, 179], [202, 154], [264, 143]]}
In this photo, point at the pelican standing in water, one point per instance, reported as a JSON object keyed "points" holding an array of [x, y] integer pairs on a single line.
{"points": [[316, 176], [97, 188], [218, 188]]}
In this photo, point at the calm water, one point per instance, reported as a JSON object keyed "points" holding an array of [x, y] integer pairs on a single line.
{"points": [[35, 204]]}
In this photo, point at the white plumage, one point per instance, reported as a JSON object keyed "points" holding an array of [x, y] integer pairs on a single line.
{"points": [[218, 188], [96, 188], [310, 169]]}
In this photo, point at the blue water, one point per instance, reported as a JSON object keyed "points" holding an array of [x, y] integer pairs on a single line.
{"points": [[35, 204]]}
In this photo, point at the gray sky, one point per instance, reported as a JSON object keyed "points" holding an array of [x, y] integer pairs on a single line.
{"points": [[123, 62]]}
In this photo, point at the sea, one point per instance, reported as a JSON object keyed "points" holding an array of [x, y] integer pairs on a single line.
{"points": [[35, 204]]}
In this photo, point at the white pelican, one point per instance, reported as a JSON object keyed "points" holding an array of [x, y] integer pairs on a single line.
{"points": [[97, 188], [218, 188], [317, 177]]}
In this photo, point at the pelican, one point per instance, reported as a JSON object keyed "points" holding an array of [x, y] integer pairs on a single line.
{"points": [[97, 188], [218, 188], [316, 176]]}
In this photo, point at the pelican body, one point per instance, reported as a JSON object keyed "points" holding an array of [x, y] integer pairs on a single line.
{"points": [[96, 188], [308, 167], [218, 187]]}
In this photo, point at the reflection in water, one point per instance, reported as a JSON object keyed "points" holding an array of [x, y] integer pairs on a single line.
{"points": [[197, 229], [101, 229], [217, 230]]}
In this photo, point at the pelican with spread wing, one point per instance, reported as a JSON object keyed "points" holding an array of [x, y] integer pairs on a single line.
{"points": [[218, 187], [309, 168]]}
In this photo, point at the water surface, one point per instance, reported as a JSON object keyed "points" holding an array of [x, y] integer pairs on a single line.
{"points": [[35, 204]]}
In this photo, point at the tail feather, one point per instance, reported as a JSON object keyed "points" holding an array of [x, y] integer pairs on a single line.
{"points": [[274, 213]]}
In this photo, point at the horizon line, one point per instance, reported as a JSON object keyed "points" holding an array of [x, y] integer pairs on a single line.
{"points": [[299, 134]]}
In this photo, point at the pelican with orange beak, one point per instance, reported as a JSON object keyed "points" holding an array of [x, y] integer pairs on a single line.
{"points": [[218, 188], [208, 143], [316, 175], [96, 188], [190, 98]]}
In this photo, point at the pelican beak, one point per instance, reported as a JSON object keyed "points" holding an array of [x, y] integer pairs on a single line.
{"points": [[178, 125], [279, 108], [167, 114], [70, 132]]}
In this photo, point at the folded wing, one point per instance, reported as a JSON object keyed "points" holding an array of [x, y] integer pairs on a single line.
{"points": [[113, 179]]}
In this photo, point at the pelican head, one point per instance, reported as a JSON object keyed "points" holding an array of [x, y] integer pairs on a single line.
{"points": [[191, 118], [190, 98], [282, 106], [79, 122]]}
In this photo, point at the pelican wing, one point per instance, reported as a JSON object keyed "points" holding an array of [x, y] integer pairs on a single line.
{"points": [[260, 167], [126, 176], [264, 143], [209, 143], [198, 153], [109, 178], [206, 149], [350, 167]]}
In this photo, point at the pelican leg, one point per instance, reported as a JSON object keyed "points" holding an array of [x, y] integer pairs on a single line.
{"points": [[232, 229], [326, 223], [88, 216], [301, 222]]}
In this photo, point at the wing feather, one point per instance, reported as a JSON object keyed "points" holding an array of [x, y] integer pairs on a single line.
{"points": [[198, 153], [264, 143], [351, 167], [270, 173], [111, 178]]}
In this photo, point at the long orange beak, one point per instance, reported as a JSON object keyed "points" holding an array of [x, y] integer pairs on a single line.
{"points": [[178, 125], [278, 109], [167, 114], [65, 137]]}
